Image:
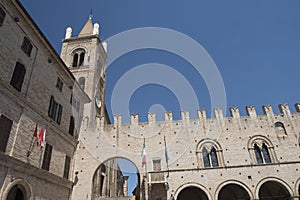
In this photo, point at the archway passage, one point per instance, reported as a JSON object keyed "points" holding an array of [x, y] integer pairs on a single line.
{"points": [[272, 190], [16, 193], [233, 192], [192, 193]]}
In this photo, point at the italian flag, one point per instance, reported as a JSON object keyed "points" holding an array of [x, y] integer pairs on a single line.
{"points": [[144, 154]]}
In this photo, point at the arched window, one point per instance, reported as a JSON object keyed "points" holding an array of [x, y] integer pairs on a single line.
{"points": [[81, 82], [280, 129], [261, 150], [258, 156], [78, 57], [75, 60], [209, 154], [81, 59]]}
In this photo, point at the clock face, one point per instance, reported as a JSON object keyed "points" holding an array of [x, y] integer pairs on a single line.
{"points": [[98, 99]]}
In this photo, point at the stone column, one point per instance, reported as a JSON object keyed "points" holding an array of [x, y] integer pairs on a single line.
{"points": [[125, 185]]}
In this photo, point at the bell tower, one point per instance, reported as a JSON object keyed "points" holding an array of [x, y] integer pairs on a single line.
{"points": [[85, 55]]}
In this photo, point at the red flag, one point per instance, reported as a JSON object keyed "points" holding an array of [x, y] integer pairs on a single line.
{"points": [[42, 137]]}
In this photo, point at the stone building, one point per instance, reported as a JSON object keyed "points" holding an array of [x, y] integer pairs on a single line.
{"points": [[235, 157], [36, 90]]}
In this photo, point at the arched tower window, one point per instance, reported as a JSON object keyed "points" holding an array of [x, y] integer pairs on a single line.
{"points": [[209, 154], [280, 129], [81, 82], [78, 57], [261, 150]]}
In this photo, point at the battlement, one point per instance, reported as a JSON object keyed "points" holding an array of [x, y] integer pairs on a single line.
{"points": [[218, 114]]}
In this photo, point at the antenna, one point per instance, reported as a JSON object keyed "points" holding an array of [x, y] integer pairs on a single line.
{"points": [[91, 13]]}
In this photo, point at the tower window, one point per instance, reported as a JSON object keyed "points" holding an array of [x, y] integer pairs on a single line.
{"points": [[55, 110], [26, 46], [2, 16], [18, 76], [5, 128], [78, 58], [67, 167], [81, 82], [59, 84], [47, 157]]}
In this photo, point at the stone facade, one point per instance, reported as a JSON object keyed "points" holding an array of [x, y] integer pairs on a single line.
{"points": [[235, 157], [31, 72]]}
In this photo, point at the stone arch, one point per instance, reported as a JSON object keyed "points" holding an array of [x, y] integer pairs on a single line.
{"points": [[236, 185], [78, 55], [297, 187], [209, 146], [192, 185], [285, 189], [21, 186], [108, 172], [266, 149]]}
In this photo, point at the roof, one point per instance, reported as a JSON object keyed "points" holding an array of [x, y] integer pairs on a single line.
{"points": [[87, 29]]}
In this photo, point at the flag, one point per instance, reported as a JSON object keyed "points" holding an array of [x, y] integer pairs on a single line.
{"points": [[144, 154], [35, 131], [166, 151], [42, 137]]}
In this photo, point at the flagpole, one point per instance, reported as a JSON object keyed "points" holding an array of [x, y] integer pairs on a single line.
{"points": [[166, 156]]}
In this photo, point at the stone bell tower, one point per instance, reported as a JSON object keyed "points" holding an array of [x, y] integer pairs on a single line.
{"points": [[85, 55]]}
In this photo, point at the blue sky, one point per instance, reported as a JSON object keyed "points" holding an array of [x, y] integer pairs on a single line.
{"points": [[254, 44]]}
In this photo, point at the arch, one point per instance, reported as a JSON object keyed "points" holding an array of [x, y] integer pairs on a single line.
{"points": [[81, 82], [261, 150], [297, 187], [18, 189], [282, 191], [194, 186], [109, 179], [209, 154], [237, 190], [78, 55], [280, 129]]}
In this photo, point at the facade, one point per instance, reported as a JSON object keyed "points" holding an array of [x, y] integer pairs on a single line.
{"points": [[236, 157], [36, 88]]}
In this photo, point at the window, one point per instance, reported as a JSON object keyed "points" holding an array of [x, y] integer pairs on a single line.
{"points": [[2, 16], [26, 46], [18, 76], [71, 126], [74, 102], [47, 157], [156, 165], [67, 167], [261, 150], [59, 84], [209, 154], [280, 129], [55, 110], [210, 159], [5, 128], [78, 58], [81, 82]]}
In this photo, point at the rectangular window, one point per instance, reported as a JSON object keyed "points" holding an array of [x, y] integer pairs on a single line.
{"points": [[75, 103], [72, 125], [5, 128], [26, 46], [59, 84], [2, 16], [47, 157], [67, 167], [156, 165], [18, 76], [55, 110]]}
